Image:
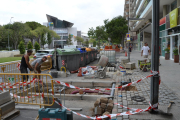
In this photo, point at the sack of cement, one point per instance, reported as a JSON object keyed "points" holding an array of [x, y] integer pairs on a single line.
{"points": [[104, 100]]}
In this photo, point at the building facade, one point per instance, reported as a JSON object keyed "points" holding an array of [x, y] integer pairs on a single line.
{"points": [[63, 28], [169, 24]]}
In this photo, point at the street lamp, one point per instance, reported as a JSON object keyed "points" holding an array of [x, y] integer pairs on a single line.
{"points": [[8, 33], [132, 19]]}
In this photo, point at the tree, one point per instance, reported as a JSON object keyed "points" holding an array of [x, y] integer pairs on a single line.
{"points": [[19, 30], [29, 45], [21, 47], [49, 39], [101, 34], [32, 26], [69, 40], [79, 39], [91, 33], [40, 31], [43, 40], [116, 28], [50, 36], [94, 44], [36, 46], [91, 40], [86, 42]]}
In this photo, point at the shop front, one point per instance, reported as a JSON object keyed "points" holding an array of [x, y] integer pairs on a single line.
{"points": [[170, 33]]}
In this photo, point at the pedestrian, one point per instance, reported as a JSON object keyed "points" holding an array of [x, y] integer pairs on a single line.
{"points": [[145, 51], [130, 48], [36, 65], [25, 64]]}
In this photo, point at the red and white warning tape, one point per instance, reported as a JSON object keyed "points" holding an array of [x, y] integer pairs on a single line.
{"points": [[103, 89], [18, 83], [134, 111]]}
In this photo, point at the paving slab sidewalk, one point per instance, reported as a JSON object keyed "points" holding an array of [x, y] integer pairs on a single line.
{"points": [[168, 91]]}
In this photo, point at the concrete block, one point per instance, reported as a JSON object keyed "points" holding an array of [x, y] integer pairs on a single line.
{"points": [[7, 107], [5, 97], [130, 65], [124, 61]]}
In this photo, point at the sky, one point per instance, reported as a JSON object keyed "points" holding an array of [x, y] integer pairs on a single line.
{"points": [[83, 13]]}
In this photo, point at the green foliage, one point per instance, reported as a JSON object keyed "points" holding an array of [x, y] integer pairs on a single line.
{"points": [[91, 33], [33, 25], [49, 38], [36, 46], [175, 51], [69, 40], [43, 39], [116, 28], [17, 31], [86, 43], [79, 39], [91, 40], [29, 45], [21, 47], [167, 50], [94, 44]]}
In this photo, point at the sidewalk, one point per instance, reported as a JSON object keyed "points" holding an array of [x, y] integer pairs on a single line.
{"points": [[168, 91], [169, 71]]}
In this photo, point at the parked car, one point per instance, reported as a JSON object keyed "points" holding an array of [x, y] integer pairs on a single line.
{"points": [[42, 53]]}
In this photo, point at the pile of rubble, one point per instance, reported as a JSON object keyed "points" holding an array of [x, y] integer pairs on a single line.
{"points": [[103, 106]]}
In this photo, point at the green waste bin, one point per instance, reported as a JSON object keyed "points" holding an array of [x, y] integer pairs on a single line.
{"points": [[82, 57], [68, 58]]}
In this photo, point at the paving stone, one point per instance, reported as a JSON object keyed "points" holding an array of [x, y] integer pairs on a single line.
{"points": [[125, 116], [130, 102], [140, 103], [119, 100], [119, 118], [120, 110]]}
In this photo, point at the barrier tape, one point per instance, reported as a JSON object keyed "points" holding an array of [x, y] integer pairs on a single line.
{"points": [[135, 111], [18, 83], [103, 89], [18, 66], [24, 84]]}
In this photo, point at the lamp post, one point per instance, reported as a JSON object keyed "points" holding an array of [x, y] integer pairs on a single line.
{"points": [[132, 19], [8, 33]]}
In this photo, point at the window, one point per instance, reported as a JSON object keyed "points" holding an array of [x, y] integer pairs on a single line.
{"points": [[173, 5]]}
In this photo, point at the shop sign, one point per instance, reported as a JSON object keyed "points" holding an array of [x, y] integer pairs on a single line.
{"points": [[173, 18], [128, 36], [162, 21]]}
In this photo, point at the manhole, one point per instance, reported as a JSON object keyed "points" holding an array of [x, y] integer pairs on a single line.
{"points": [[138, 98]]}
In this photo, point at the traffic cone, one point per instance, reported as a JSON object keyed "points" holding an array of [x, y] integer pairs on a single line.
{"points": [[80, 72], [125, 53]]}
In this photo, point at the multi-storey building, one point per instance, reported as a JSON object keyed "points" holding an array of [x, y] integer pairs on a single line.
{"points": [[169, 24], [63, 28]]}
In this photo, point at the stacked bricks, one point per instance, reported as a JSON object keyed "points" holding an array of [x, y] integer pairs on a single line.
{"points": [[103, 106]]}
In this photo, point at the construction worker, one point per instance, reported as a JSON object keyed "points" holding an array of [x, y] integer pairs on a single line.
{"points": [[25, 64], [36, 64]]}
